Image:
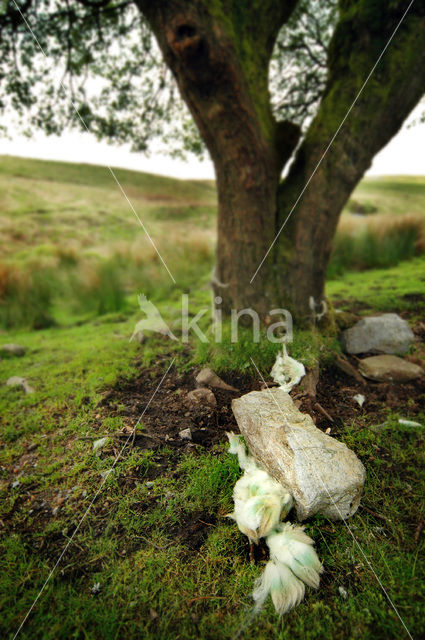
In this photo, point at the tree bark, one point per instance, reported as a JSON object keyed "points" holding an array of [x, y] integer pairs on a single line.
{"points": [[219, 54], [394, 89], [222, 74]]}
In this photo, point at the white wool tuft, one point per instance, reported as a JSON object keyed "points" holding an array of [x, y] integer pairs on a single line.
{"points": [[290, 545], [284, 588], [287, 371], [259, 499], [260, 503]]}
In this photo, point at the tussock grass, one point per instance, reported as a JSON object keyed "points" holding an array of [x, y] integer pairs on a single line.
{"points": [[362, 208], [375, 242], [33, 294], [26, 296], [72, 248]]}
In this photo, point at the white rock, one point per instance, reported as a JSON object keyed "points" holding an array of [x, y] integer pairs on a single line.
{"points": [[17, 381], [321, 473], [185, 434], [378, 334], [13, 349], [14, 381]]}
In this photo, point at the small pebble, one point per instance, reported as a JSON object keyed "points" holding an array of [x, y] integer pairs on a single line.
{"points": [[360, 399]]}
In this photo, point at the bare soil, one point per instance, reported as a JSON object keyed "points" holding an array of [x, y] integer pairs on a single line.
{"points": [[166, 412]]}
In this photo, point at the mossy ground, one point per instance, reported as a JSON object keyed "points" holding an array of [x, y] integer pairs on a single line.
{"points": [[167, 562]]}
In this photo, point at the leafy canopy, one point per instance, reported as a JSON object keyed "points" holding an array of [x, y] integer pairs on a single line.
{"points": [[95, 65]]}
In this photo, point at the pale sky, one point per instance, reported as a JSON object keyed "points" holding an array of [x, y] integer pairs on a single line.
{"points": [[404, 155]]}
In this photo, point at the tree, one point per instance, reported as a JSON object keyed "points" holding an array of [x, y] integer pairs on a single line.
{"points": [[220, 53]]}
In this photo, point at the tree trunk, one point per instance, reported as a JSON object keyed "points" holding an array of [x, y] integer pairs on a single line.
{"points": [[394, 89], [220, 56], [223, 77]]}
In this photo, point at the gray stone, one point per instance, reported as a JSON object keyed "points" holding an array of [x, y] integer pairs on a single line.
{"points": [[389, 369], [13, 349], [321, 473], [185, 434], [378, 334], [207, 377], [17, 381], [202, 396]]}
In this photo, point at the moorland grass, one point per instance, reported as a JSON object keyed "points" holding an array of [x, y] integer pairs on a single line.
{"points": [[152, 584], [377, 242], [72, 248]]}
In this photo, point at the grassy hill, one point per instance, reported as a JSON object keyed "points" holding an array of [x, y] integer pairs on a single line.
{"points": [[155, 557], [70, 239], [143, 184], [394, 195], [71, 244], [49, 206]]}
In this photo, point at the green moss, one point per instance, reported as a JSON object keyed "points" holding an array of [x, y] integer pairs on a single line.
{"points": [[249, 44], [137, 540]]}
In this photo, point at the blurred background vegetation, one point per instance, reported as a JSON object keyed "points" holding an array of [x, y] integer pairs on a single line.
{"points": [[72, 249]]}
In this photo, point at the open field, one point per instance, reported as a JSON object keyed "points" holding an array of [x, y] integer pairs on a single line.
{"points": [[71, 246], [155, 558]]}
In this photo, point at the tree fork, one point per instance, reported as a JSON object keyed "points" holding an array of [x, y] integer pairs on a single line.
{"points": [[220, 61]]}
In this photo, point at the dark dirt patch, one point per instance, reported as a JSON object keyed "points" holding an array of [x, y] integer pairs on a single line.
{"points": [[193, 530], [167, 411], [336, 391]]}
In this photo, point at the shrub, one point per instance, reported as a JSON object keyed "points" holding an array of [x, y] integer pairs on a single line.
{"points": [[97, 286], [26, 296], [378, 244]]}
